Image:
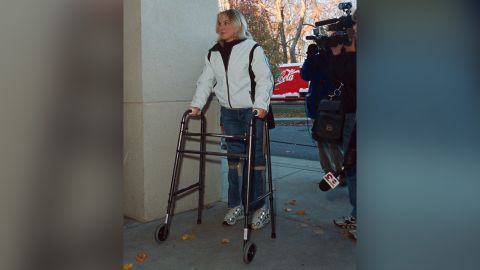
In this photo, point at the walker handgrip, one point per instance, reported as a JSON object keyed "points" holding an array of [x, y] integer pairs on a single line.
{"points": [[186, 113]]}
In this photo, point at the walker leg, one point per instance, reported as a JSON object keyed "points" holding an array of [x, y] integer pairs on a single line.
{"points": [[161, 232], [201, 186], [269, 178], [249, 248]]}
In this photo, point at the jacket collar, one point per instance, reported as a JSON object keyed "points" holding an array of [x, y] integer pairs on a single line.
{"points": [[217, 46]]}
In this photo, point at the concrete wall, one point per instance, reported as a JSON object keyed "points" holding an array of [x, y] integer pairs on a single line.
{"points": [[164, 48]]}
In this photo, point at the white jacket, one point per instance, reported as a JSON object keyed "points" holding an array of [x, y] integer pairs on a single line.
{"points": [[232, 86]]}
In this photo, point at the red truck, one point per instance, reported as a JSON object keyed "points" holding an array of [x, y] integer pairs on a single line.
{"points": [[289, 85]]}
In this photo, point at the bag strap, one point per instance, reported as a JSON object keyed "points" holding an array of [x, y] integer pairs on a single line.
{"points": [[253, 84], [208, 57], [336, 93], [270, 120]]}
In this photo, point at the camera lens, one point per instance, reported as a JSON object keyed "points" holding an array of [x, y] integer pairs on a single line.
{"points": [[345, 5]]}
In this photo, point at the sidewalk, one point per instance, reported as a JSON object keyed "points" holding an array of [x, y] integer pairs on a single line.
{"points": [[309, 241]]}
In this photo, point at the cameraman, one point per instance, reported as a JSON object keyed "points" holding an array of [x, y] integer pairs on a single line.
{"points": [[344, 70], [316, 70]]}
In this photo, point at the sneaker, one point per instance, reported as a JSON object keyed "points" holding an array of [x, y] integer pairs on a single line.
{"points": [[353, 234], [261, 217], [346, 222], [233, 215]]}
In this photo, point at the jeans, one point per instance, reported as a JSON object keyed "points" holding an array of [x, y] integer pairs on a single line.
{"points": [[331, 157], [350, 121], [236, 122], [352, 188], [351, 174]]}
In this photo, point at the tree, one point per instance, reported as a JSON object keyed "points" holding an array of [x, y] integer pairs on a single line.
{"points": [[288, 16], [223, 5], [291, 20], [298, 31], [286, 22], [257, 19]]}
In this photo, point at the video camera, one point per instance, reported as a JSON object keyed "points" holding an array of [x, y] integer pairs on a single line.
{"points": [[339, 26]]}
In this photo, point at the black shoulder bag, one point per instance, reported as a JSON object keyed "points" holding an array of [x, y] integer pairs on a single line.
{"points": [[328, 126]]}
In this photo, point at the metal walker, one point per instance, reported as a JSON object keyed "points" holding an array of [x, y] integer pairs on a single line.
{"points": [[249, 248]]}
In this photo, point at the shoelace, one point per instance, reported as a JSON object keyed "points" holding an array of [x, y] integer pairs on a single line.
{"points": [[263, 214], [235, 211]]}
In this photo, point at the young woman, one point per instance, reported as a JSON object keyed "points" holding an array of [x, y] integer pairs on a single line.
{"points": [[226, 73]]}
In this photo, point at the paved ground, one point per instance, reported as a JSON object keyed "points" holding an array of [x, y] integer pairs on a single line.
{"points": [[293, 139], [307, 241]]}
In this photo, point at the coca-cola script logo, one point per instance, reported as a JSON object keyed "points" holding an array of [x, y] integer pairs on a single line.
{"points": [[286, 75]]}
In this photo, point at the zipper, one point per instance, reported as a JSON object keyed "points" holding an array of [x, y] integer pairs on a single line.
{"points": [[226, 77]]}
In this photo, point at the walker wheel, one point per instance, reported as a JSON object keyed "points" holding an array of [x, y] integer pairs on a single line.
{"points": [[249, 250], [161, 233]]}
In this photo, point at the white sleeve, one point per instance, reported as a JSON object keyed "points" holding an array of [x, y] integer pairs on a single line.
{"points": [[205, 84], [263, 79]]}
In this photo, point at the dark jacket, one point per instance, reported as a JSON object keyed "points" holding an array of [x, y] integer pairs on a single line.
{"points": [[344, 70], [316, 70]]}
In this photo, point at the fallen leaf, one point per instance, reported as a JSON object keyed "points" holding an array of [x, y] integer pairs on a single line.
{"points": [[300, 212], [225, 241], [292, 202], [141, 256], [208, 206], [304, 225], [127, 266], [319, 231], [287, 209], [187, 237]]}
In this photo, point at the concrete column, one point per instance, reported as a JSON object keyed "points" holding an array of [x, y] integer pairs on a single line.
{"points": [[164, 48]]}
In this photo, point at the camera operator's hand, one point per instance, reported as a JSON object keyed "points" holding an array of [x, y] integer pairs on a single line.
{"points": [[312, 50], [352, 47], [352, 33], [337, 49]]}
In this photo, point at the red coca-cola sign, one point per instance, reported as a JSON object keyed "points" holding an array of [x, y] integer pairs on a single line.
{"points": [[289, 85]]}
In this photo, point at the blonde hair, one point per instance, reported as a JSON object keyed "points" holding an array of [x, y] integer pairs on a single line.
{"points": [[238, 21]]}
